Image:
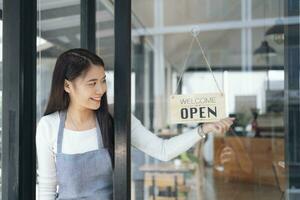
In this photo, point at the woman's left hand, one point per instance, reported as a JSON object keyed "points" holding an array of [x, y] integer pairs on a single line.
{"points": [[219, 127]]}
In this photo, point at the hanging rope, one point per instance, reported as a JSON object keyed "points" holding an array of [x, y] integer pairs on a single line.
{"points": [[195, 34], [184, 64]]}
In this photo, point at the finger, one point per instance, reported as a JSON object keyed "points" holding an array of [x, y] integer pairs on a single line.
{"points": [[231, 118], [218, 128], [207, 126], [229, 121], [225, 125], [215, 128]]}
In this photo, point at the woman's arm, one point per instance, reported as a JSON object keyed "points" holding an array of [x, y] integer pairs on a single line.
{"points": [[46, 172], [162, 149]]}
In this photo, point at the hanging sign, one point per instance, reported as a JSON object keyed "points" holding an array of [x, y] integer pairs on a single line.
{"points": [[197, 108]]}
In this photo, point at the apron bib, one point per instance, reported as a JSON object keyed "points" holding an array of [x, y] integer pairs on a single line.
{"points": [[86, 175]]}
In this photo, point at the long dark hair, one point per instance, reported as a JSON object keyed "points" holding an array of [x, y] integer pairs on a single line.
{"points": [[69, 65]]}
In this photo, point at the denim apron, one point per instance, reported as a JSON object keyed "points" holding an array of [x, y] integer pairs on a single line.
{"points": [[86, 175]]}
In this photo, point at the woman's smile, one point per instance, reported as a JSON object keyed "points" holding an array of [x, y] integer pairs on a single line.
{"points": [[97, 99]]}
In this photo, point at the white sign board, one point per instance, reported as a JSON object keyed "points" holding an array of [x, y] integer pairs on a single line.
{"points": [[197, 108]]}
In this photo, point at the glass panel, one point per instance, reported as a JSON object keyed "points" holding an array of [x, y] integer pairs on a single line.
{"points": [[221, 48], [58, 25], [200, 11], [143, 16], [105, 45], [244, 45], [267, 8], [105, 42], [1, 87], [275, 59], [58, 30]]}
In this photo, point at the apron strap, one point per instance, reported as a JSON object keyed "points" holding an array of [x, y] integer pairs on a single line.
{"points": [[99, 135], [62, 119]]}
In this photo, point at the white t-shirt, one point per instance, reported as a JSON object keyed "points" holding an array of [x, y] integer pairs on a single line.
{"points": [[82, 141]]}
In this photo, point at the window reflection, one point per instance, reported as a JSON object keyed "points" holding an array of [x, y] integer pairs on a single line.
{"points": [[58, 26], [248, 63]]}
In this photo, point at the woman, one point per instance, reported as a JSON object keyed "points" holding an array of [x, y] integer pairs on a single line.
{"points": [[75, 136]]}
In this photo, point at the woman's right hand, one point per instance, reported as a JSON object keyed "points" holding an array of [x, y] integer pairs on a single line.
{"points": [[219, 127]]}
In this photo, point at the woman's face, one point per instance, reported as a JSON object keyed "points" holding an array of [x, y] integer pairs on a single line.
{"points": [[86, 90]]}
